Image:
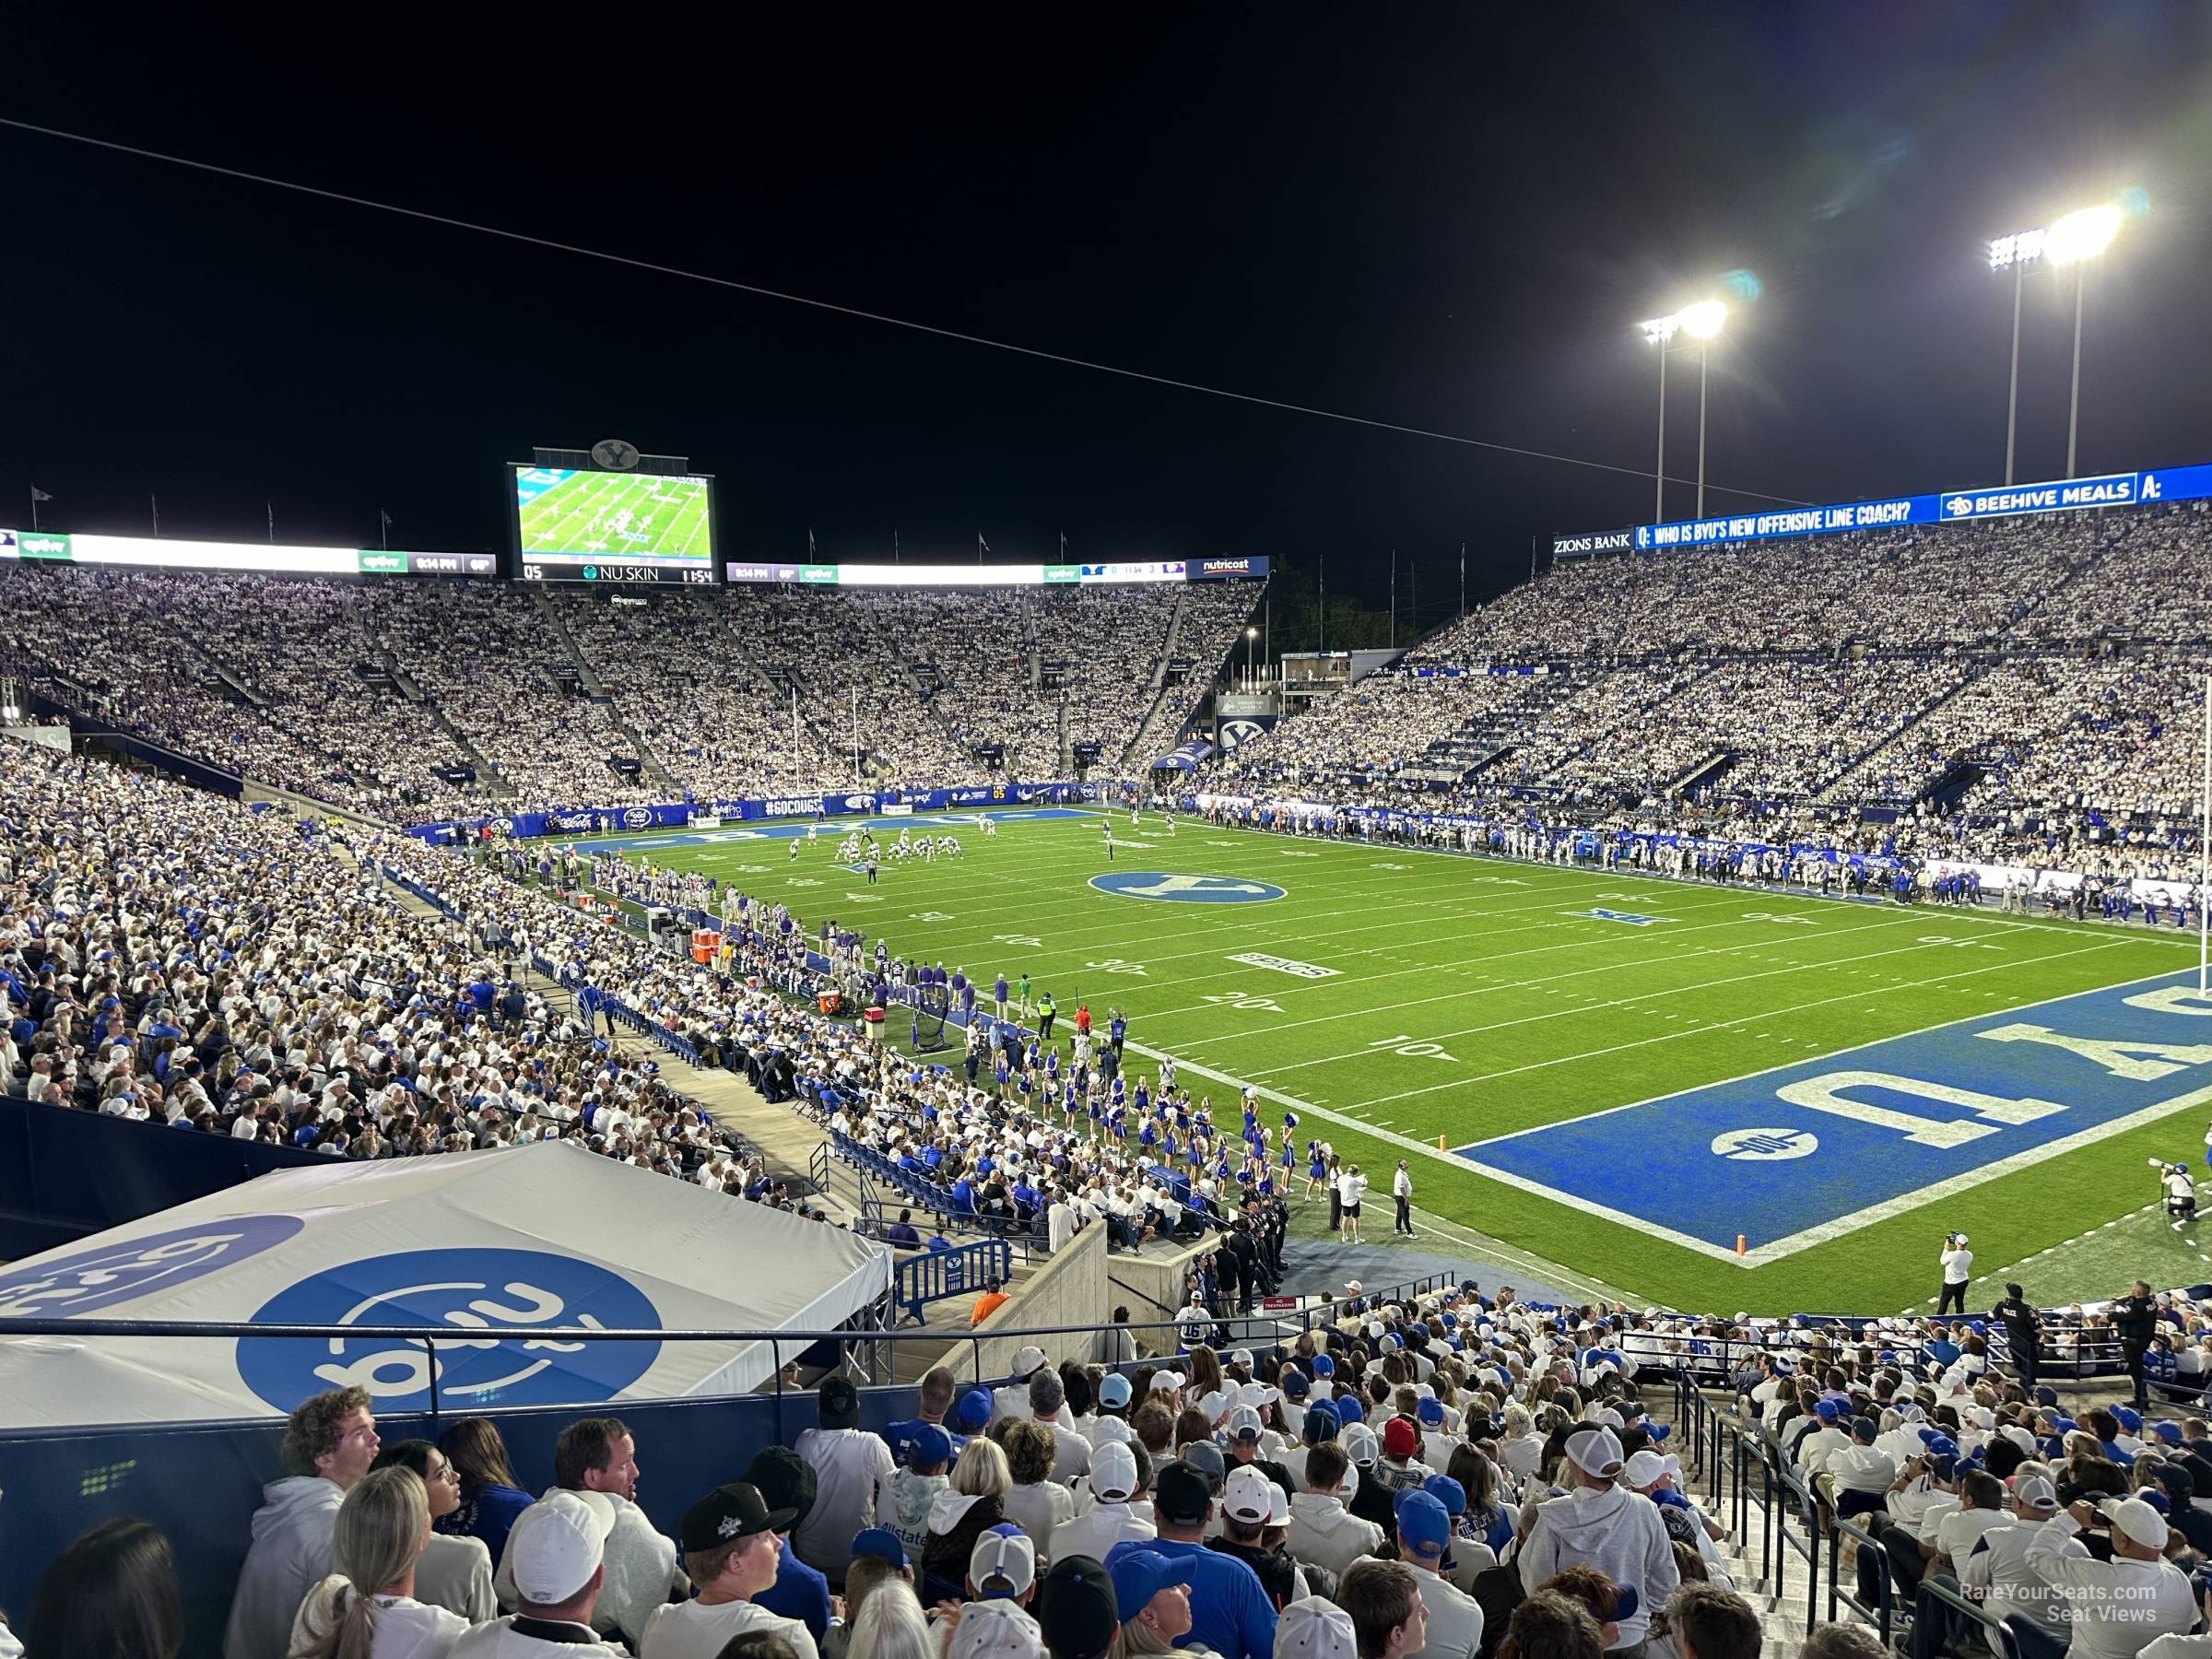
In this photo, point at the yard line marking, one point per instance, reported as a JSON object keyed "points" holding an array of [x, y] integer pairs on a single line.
{"points": [[1721, 1025], [1626, 1001]]}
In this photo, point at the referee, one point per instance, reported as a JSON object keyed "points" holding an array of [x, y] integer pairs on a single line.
{"points": [[1401, 1189]]}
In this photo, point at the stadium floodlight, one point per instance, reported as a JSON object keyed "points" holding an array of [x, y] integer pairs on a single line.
{"points": [[2082, 234], [2015, 254], [1251, 637], [1704, 320], [1701, 322], [2073, 239], [1659, 332]]}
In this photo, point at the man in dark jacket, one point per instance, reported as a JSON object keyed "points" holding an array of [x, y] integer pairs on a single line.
{"points": [[2136, 1317], [2021, 1334]]}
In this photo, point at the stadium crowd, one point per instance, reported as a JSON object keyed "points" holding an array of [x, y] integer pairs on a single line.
{"points": [[1451, 1473], [1398, 1481], [174, 958]]}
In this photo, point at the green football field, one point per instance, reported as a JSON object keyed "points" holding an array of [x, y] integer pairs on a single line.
{"points": [[1397, 999], [584, 513]]}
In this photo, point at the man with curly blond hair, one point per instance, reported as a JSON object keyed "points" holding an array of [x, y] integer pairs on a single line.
{"points": [[329, 1443]]}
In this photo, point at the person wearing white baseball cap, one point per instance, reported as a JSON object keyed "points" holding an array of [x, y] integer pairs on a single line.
{"points": [[2118, 1606], [1117, 1483], [1997, 1565], [996, 1629], [1315, 1627], [555, 1556], [1247, 1503], [1003, 1565], [1011, 1399], [1603, 1524]]}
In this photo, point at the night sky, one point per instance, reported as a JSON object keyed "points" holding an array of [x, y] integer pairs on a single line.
{"points": [[1445, 217]]}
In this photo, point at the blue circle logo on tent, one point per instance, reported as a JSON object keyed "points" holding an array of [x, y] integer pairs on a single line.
{"points": [[88, 1280], [453, 1292], [1185, 890]]}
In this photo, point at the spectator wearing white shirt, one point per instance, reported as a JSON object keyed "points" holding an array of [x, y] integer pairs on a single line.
{"points": [[2116, 1607], [1455, 1617], [1118, 1479], [1860, 1472], [555, 1558], [380, 1533], [1997, 1565], [1351, 1187], [847, 1462], [600, 1456], [731, 1550], [1322, 1533], [1958, 1264]]}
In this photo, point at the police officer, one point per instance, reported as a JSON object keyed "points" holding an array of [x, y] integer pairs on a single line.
{"points": [[2022, 1333], [2136, 1317]]}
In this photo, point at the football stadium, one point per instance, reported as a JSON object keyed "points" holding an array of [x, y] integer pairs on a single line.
{"points": [[681, 1057]]}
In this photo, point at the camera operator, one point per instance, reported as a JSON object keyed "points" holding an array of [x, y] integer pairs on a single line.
{"points": [[2180, 1193], [1958, 1263]]}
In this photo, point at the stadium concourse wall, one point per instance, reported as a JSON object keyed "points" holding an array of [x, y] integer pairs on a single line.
{"points": [[66, 1174], [672, 815], [1068, 1290]]}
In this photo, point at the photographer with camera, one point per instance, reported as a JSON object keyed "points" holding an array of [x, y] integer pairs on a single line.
{"points": [[2180, 1192], [1958, 1263]]}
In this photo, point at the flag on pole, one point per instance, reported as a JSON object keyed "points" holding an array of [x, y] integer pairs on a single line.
{"points": [[810, 553], [38, 495], [156, 502], [270, 508], [982, 546]]}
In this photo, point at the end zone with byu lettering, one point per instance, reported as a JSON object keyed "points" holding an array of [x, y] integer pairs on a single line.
{"points": [[1801, 1154]]}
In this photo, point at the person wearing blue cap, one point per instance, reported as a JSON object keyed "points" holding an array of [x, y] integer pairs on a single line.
{"points": [[902, 1502], [1232, 1614], [1424, 1535], [1152, 1593], [1318, 1425]]}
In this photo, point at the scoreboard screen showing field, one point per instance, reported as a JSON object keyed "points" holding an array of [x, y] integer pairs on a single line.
{"points": [[573, 525]]}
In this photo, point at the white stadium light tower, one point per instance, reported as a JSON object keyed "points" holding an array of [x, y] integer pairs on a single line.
{"points": [[2076, 238], [1701, 322]]}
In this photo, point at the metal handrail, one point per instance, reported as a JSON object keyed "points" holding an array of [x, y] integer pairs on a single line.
{"points": [[1882, 1614], [2008, 1645]]}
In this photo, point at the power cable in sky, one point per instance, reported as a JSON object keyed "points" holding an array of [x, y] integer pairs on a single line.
{"points": [[868, 316]]}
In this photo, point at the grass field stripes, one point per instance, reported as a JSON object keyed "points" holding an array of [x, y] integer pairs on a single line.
{"points": [[1400, 995]]}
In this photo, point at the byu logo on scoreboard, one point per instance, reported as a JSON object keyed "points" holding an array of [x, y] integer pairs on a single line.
{"points": [[1766, 1145], [451, 1293], [1186, 890]]}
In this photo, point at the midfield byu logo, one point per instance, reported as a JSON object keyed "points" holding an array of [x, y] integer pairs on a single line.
{"points": [[1765, 1146], [1185, 890], [452, 1293], [93, 1279]]}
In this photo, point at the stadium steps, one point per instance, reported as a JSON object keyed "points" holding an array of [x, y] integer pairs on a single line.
{"points": [[411, 688], [1878, 753], [1710, 770], [589, 677]]}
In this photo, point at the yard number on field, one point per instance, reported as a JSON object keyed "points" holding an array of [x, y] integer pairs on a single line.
{"points": [[1403, 1045], [1116, 965], [1246, 1001], [1031, 940], [1774, 916]]}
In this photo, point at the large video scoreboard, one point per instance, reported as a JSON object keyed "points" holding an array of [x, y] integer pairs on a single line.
{"points": [[577, 525]]}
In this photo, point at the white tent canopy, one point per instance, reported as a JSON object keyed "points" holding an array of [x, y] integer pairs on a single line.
{"points": [[544, 1236]]}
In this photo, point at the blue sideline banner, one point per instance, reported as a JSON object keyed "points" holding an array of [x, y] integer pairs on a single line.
{"points": [[606, 820], [1944, 507]]}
